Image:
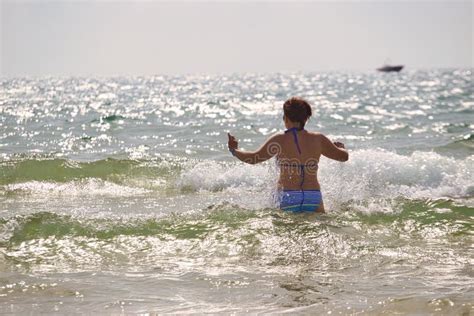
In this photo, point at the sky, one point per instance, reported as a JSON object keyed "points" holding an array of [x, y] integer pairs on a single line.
{"points": [[109, 38]]}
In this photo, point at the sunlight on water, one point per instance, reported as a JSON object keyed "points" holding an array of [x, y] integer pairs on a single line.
{"points": [[118, 195]]}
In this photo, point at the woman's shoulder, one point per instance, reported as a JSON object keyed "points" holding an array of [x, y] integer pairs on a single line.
{"points": [[277, 135], [316, 137], [315, 134]]}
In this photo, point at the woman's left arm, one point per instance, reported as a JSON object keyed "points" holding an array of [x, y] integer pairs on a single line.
{"points": [[269, 149]]}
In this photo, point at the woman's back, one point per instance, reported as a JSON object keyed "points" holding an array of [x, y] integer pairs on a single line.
{"points": [[298, 170]]}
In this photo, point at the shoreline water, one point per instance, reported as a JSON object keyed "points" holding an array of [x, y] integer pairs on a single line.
{"points": [[118, 196]]}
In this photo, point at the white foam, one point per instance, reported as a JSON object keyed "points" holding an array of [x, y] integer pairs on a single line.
{"points": [[213, 176], [74, 188], [370, 178], [369, 182], [373, 174]]}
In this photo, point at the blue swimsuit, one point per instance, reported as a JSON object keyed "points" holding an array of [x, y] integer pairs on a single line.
{"points": [[300, 200]]}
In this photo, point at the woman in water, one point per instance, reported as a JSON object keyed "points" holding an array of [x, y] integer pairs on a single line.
{"points": [[297, 151]]}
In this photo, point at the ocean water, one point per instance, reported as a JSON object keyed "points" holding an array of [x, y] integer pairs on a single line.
{"points": [[118, 195]]}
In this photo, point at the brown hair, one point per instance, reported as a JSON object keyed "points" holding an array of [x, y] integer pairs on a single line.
{"points": [[297, 109]]}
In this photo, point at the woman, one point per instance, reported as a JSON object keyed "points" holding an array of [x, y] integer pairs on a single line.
{"points": [[297, 151]]}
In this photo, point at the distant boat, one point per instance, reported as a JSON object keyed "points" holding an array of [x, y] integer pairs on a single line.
{"points": [[388, 68]]}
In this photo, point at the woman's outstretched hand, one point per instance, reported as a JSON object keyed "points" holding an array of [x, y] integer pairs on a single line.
{"points": [[232, 143]]}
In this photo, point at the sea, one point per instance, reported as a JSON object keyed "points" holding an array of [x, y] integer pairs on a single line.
{"points": [[118, 195]]}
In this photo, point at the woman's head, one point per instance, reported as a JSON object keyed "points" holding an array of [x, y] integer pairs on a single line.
{"points": [[297, 110]]}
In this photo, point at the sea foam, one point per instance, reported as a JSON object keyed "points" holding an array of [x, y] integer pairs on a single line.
{"points": [[83, 187], [369, 176]]}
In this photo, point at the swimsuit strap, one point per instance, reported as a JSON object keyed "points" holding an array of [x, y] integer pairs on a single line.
{"points": [[302, 191], [294, 130]]}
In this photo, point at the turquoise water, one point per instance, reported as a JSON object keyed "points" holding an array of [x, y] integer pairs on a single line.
{"points": [[118, 195]]}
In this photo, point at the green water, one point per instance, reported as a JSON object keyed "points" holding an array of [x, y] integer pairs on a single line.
{"points": [[117, 195]]}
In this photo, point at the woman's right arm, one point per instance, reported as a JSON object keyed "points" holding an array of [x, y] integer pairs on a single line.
{"points": [[332, 150], [269, 149]]}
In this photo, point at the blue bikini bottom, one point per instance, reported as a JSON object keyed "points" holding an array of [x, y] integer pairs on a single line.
{"points": [[300, 201]]}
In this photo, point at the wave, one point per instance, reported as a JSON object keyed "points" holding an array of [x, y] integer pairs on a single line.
{"points": [[83, 187], [377, 174], [63, 170], [369, 180], [22, 228], [212, 176], [460, 147], [109, 118], [368, 175], [224, 232]]}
